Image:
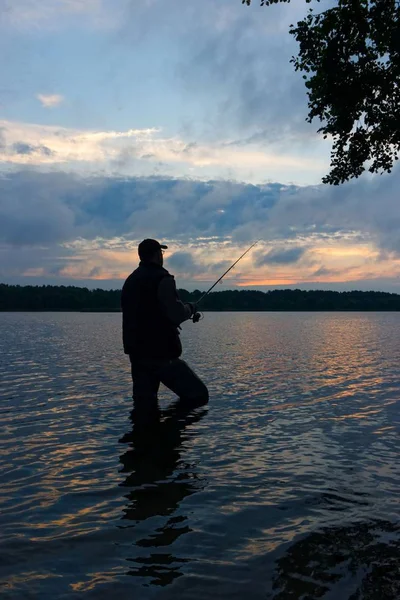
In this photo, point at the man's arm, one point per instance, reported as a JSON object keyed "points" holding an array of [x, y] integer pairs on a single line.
{"points": [[174, 308]]}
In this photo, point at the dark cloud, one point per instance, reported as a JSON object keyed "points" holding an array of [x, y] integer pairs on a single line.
{"points": [[322, 271], [95, 272], [234, 72], [221, 266], [43, 210], [189, 147], [279, 257], [183, 262], [369, 206], [37, 207], [46, 151], [33, 210], [256, 95], [15, 260], [55, 269], [23, 148]]}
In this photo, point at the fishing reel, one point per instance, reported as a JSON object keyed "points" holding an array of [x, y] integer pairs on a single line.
{"points": [[198, 316]]}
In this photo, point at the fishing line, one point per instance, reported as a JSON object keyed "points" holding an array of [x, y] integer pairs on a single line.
{"points": [[199, 316]]}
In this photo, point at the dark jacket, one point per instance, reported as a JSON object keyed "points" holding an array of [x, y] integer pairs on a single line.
{"points": [[151, 314]]}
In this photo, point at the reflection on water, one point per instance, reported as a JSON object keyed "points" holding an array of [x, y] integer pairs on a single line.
{"points": [[289, 488], [356, 561], [159, 480]]}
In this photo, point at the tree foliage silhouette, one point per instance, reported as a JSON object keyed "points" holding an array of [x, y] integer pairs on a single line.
{"points": [[349, 55]]}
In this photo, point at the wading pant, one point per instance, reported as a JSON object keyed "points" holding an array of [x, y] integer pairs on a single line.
{"points": [[174, 374]]}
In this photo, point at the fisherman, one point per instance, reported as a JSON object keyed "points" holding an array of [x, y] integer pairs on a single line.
{"points": [[151, 314]]}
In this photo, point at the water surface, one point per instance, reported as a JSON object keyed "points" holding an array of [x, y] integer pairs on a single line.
{"points": [[285, 486]]}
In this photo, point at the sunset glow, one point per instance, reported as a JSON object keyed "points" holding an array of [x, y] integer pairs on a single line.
{"points": [[92, 161]]}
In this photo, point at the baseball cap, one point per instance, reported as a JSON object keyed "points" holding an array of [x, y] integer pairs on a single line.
{"points": [[149, 247]]}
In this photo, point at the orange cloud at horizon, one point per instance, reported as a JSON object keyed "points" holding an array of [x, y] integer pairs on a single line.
{"points": [[101, 260], [268, 282]]}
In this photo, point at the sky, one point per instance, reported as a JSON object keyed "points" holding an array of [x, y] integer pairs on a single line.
{"points": [[180, 121]]}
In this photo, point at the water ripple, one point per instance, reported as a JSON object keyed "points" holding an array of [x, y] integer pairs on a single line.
{"points": [[285, 487]]}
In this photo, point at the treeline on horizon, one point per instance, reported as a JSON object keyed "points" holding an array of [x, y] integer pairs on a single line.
{"points": [[72, 298]]}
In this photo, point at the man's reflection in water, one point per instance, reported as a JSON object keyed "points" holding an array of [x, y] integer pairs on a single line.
{"points": [[160, 480]]}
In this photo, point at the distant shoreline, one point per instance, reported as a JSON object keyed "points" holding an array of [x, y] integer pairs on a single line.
{"points": [[230, 310], [47, 298]]}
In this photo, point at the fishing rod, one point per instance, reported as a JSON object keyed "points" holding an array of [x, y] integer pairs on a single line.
{"points": [[196, 316]]}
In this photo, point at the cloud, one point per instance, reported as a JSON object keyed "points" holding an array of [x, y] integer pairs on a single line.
{"points": [[24, 149], [67, 145], [368, 206], [199, 265], [247, 112], [233, 67], [82, 228], [184, 263], [245, 69], [31, 213], [50, 100], [191, 209], [144, 150], [279, 256], [69, 205], [95, 272], [323, 271], [56, 14]]}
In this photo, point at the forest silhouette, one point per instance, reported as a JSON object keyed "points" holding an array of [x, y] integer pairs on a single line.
{"points": [[72, 298]]}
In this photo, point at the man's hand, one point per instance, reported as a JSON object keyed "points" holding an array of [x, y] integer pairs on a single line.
{"points": [[193, 308]]}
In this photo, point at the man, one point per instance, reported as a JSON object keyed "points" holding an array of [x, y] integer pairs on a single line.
{"points": [[151, 314]]}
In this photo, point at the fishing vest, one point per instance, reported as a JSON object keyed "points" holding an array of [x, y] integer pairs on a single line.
{"points": [[147, 333]]}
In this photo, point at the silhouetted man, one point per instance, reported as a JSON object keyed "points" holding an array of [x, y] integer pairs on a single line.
{"points": [[152, 313]]}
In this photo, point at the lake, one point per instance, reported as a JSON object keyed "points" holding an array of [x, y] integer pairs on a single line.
{"points": [[285, 486]]}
